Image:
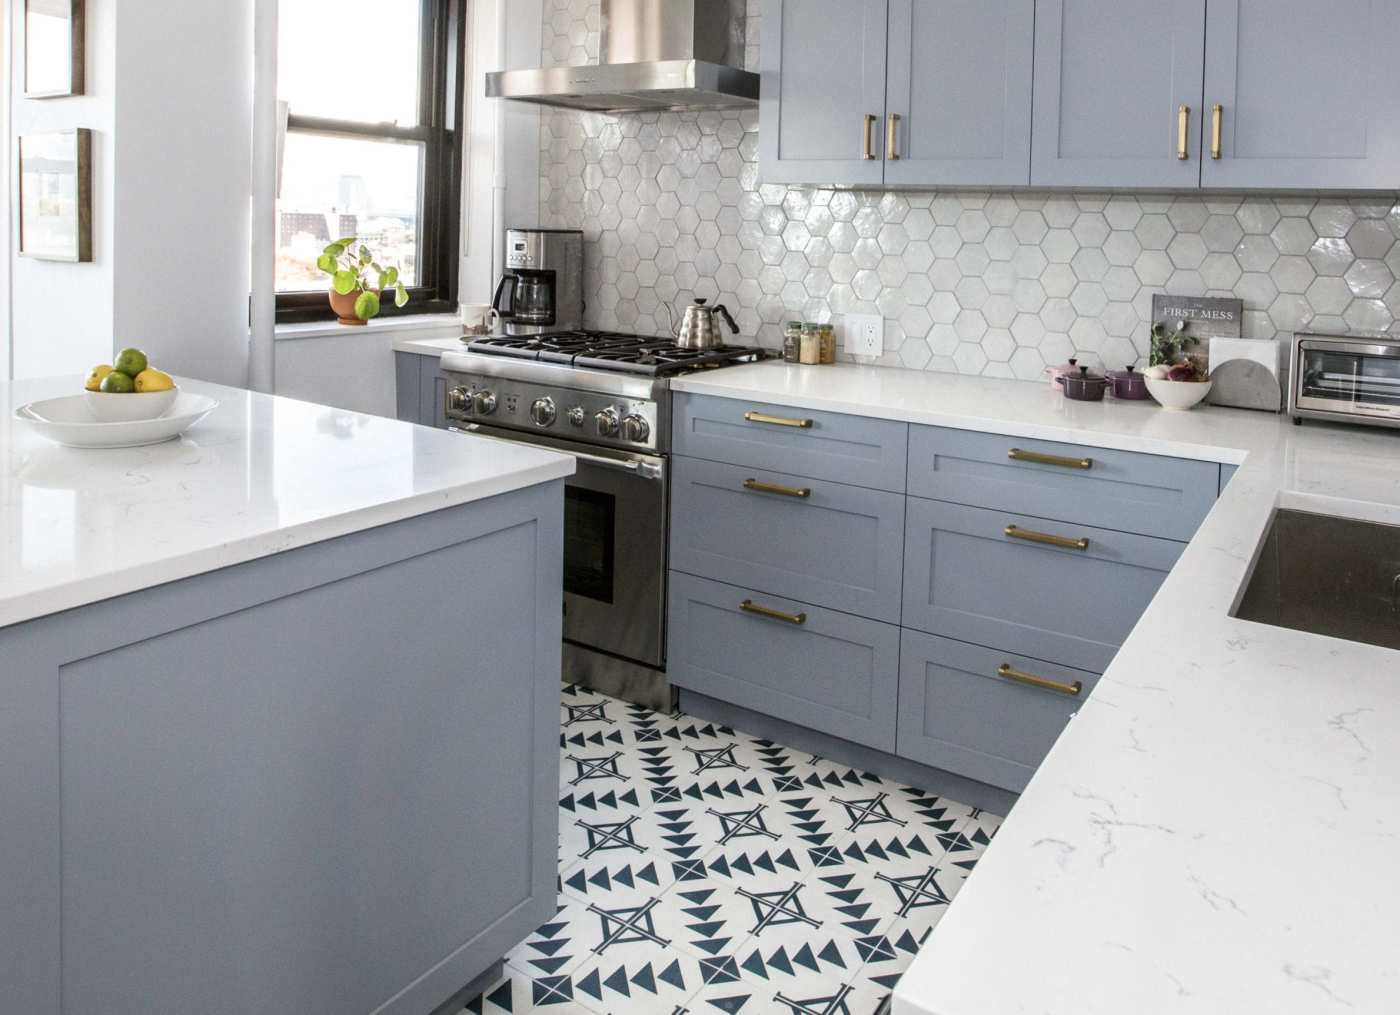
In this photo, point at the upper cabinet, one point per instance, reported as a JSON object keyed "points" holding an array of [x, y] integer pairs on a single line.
{"points": [[1302, 94], [1136, 94], [822, 91], [1118, 93]]}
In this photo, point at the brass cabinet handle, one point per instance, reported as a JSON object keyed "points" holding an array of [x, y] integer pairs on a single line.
{"points": [[1183, 123], [786, 491], [892, 137], [1217, 118], [1045, 683], [867, 140], [749, 606], [763, 417], [1017, 455], [1031, 536]]}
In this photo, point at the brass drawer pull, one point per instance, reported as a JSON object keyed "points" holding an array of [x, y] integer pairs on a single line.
{"points": [[1044, 683], [749, 606], [1183, 123], [1017, 455], [786, 491], [1217, 116], [763, 417], [867, 149], [1031, 536], [892, 138]]}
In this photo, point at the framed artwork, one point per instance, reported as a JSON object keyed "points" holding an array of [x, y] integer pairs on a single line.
{"points": [[53, 48], [55, 195]]}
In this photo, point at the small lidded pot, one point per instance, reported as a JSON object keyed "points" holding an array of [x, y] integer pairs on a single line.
{"points": [[1057, 374], [1128, 384], [1084, 386]]}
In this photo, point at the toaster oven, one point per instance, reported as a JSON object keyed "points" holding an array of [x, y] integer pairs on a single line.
{"points": [[1345, 379]]}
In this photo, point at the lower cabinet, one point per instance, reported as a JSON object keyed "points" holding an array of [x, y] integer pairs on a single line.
{"points": [[985, 714], [819, 668]]}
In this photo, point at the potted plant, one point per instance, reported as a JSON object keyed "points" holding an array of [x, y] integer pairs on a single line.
{"points": [[1174, 378], [354, 298]]}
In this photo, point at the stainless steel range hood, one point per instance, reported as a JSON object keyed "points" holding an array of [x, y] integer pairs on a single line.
{"points": [[653, 55]]}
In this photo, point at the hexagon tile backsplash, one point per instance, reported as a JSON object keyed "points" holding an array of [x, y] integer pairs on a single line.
{"points": [[999, 284]]}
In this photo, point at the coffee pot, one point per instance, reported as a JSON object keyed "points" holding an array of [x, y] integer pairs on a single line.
{"points": [[698, 329]]}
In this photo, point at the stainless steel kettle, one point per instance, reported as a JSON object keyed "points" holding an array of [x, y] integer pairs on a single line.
{"points": [[698, 328]]}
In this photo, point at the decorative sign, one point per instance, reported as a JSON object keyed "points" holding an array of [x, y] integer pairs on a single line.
{"points": [[1206, 316], [55, 195]]}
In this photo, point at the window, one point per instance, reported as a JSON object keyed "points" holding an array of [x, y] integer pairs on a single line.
{"points": [[373, 149]]}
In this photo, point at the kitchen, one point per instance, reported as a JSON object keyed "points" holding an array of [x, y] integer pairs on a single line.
{"points": [[971, 646]]}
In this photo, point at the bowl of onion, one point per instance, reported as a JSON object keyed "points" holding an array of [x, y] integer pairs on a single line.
{"points": [[1177, 387]]}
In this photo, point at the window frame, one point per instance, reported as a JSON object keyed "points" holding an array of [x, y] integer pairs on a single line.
{"points": [[442, 52]]}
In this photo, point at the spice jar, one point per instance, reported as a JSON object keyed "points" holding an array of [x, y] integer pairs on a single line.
{"points": [[811, 344], [792, 342], [827, 336]]}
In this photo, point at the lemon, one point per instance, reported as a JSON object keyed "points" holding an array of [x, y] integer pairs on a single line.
{"points": [[95, 375], [116, 383], [130, 361], [152, 379]]}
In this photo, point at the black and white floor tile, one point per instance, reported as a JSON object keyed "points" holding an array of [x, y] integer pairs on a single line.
{"points": [[702, 870]]}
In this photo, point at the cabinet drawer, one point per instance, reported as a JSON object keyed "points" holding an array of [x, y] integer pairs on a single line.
{"points": [[822, 445], [839, 546], [1156, 496], [959, 709], [965, 578], [831, 672]]}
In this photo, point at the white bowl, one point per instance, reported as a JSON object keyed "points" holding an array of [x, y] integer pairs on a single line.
{"points": [[67, 420], [1177, 395], [110, 407]]}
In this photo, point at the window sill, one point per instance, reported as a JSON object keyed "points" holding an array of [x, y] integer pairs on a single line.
{"points": [[418, 324]]}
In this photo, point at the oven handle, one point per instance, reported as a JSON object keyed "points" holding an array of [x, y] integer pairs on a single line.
{"points": [[646, 470]]}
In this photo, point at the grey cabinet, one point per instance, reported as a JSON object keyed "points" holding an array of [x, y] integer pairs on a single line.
{"points": [[1308, 93], [960, 86], [823, 91], [1111, 77], [989, 715], [419, 390], [818, 668], [809, 539]]}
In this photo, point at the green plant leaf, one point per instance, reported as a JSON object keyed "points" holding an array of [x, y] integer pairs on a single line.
{"points": [[345, 282], [366, 305], [400, 295], [335, 249], [326, 262], [391, 276]]}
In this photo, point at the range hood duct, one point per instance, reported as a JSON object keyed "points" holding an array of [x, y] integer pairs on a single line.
{"points": [[654, 55]]}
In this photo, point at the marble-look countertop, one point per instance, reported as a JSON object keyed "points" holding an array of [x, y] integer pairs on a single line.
{"points": [[259, 475], [428, 346], [1218, 829]]}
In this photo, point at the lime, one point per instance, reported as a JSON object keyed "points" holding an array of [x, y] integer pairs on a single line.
{"points": [[95, 375], [117, 383], [130, 362]]}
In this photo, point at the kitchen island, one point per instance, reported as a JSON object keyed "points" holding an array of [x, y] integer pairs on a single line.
{"points": [[1217, 827], [278, 711]]}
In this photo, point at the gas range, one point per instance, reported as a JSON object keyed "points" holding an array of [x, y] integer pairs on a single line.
{"points": [[609, 350]]}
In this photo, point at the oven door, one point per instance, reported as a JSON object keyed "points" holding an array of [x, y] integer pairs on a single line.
{"points": [[614, 546]]}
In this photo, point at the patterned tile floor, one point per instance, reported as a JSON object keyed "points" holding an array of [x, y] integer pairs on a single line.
{"points": [[702, 870]]}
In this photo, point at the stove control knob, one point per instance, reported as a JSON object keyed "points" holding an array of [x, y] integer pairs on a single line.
{"points": [[458, 400], [484, 402], [635, 429], [606, 422], [543, 412], [575, 416]]}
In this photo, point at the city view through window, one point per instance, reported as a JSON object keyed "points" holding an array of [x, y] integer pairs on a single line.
{"points": [[361, 65]]}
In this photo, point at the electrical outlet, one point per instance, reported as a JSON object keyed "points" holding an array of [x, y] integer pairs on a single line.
{"points": [[865, 334]]}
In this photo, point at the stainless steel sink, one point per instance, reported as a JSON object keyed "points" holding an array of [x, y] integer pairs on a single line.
{"points": [[1327, 575]]}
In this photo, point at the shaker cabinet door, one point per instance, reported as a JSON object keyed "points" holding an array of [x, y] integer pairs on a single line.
{"points": [[1308, 94], [822, 108], [1111, 77], [959, 89]]}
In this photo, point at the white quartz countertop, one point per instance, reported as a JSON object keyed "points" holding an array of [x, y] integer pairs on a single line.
{"points": [[1218, 829], [259, 475], [428, 346]]}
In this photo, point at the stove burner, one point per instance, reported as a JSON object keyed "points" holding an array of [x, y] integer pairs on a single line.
{"points": [[606, 350]]}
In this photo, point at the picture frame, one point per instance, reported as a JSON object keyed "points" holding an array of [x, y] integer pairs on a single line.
{"points": [[55, 195], [53, 48]]}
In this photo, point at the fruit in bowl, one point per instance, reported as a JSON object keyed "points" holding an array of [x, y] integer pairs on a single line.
{"points": [[1179, 386], [129, 389]]}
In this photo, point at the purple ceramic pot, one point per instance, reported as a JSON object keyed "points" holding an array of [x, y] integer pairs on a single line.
{"points": [[1128, 384]]}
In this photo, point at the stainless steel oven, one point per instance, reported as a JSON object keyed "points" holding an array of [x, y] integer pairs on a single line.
{"points": [[614, 546], [1354, 379]]}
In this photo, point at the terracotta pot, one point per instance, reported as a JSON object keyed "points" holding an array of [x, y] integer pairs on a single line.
{"points": [[344, 307]]}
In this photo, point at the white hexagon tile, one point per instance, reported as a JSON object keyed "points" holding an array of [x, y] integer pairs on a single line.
{"points": [[999, 284]]}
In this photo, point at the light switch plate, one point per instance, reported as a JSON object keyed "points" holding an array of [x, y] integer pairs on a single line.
{"points": [[865, 334]]}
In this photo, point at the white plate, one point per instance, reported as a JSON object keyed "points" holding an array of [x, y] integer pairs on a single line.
{"points": [[68, 421]]}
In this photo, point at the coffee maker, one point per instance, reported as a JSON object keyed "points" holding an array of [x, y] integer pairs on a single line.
{"points": [[542, 287]]}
